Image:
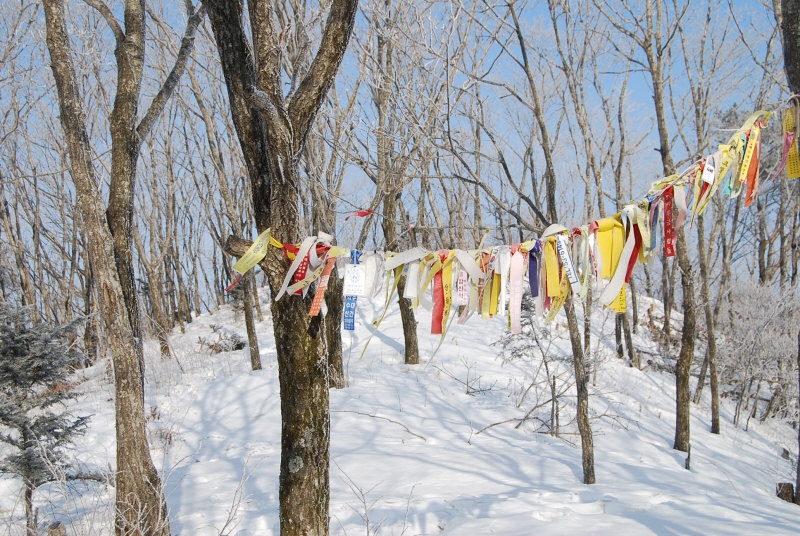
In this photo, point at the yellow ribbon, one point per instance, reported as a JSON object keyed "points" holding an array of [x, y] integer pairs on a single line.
{"points": [[254, 254]]}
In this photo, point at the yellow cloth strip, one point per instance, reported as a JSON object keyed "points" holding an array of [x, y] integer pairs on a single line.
{"points": [[254, 254], [551, 267], [558, 301], [619, 303], [494, 299], [610, 241], [793, 161]]}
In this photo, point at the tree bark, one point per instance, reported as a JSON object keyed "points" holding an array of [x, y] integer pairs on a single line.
{"points": [[333, 332], [790, 29]]}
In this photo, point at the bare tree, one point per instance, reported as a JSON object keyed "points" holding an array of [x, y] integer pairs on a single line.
{"points": [[653, 32], [140, 503]]}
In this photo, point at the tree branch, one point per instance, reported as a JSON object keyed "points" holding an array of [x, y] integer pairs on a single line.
{"points": [[312, 90], [105, 12], [166, 91]]}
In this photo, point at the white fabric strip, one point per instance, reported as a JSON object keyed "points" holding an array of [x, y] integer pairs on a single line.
{"points": [[503, 267], [469, 264], [405, 257], [562, 245], [301, 254]]}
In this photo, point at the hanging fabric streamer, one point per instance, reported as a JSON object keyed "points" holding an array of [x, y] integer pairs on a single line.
{"points": [[503, 268], [354, 284], [533, 268], [562, 245], [360, 214], [316, 304], [551, 268], [750, 165], [485, 288], [790, 128], [438, 300], [669, 229], [462, 288], [302, 252], [251, 257], [515, 276], [617, 283], [235, 282]]}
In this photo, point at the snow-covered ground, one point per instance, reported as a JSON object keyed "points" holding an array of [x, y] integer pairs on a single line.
{"points": [[410, 449]]}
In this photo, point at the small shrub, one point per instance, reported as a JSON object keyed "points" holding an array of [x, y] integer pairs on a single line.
{"points": [[223, 340]]}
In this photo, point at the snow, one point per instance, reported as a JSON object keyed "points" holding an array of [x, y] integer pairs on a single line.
{"points": [[410, 449]]}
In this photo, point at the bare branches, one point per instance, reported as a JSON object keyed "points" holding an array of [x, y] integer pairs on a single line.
{"points": [[312, 90], [171, 82]]}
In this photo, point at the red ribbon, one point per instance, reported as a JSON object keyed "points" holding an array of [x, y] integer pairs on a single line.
{"points": [[752, 175], [230, 287], [438, 299], [669, 229], [316, 305], [360, 214]]}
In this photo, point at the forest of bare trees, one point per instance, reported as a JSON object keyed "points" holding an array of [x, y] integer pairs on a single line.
{"points": [[137, 137]]}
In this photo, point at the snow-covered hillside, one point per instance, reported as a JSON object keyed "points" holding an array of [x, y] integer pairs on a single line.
{"points": [[413, 449]]}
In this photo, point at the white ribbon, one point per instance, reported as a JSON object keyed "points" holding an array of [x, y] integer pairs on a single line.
{"points": [[503, 267], [301, 254]]}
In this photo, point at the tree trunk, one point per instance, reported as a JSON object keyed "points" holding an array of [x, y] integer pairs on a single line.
{"points": [[633, 357], [682, 369], [140, 505], [587, 321], [91, 339], [30, 517], [411, 347], [710, 361], [333, 331], [249, 321], [584, 427], [409, 325], [789, 20]]}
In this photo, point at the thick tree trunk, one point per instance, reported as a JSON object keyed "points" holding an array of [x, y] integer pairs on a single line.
{"points": [[789, 20], [140, 505], [272, 134]]}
